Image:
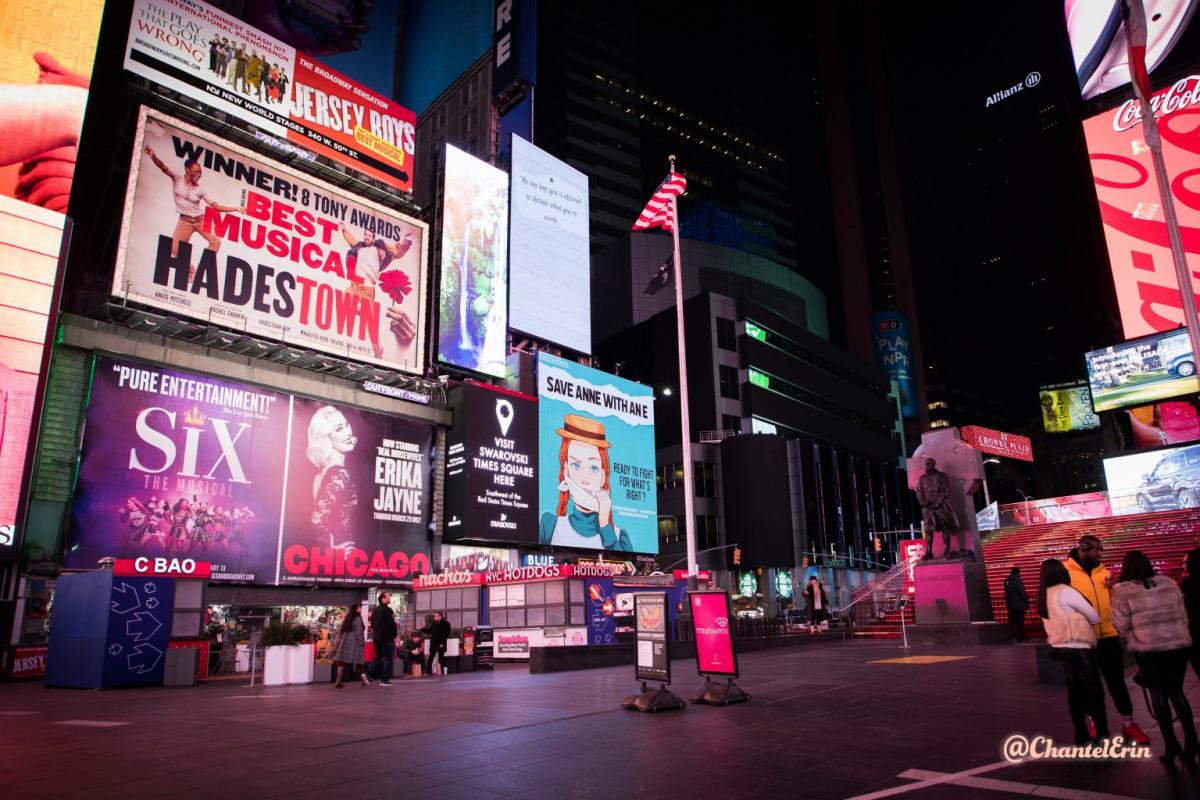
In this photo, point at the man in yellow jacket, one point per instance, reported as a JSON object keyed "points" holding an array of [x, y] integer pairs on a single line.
{"points": [[1091, 579]]}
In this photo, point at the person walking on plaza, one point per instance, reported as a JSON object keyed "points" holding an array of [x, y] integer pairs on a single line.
{"points": [[383, 634], [1016, 601], [412, 651], [816, 603], [348, 646], [1148, 610], [439, 635], [1191, 601], [1091, 579], [1068, 619]]}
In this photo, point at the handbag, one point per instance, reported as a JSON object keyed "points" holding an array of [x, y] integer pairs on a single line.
{"points": [[415, 671]]}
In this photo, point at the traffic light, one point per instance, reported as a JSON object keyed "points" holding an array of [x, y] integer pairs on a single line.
{"points": [[878, 544], [737, 556]]}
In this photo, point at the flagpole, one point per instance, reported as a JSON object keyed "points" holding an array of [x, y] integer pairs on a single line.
{"points": [[1183, 276], [689, 493]]}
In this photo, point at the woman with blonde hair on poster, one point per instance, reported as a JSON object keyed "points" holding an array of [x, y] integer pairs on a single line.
{"points": [[330, 438]]}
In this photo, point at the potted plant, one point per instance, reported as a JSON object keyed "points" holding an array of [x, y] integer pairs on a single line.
{"points": [[287, 655]]}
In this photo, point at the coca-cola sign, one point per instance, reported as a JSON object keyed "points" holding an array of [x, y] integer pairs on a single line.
{"points": [[999, 443], [1132, 210], [1184, 93]]}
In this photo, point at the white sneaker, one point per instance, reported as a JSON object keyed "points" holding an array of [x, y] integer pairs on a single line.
{"points": [[365, 680]]}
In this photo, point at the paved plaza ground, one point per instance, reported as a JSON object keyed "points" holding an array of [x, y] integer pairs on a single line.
{"points": [[826, 721]]}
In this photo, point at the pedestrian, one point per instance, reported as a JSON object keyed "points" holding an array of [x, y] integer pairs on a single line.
{"points": [[348, 647], [1091, 579], [383, 634], [412, 651], [816, 603], [1068, 619], [439, 635], [1191, 601], [1016, 601], [1148, 610]]}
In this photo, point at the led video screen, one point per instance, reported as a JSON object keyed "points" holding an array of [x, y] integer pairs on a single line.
{"points": [[1142, 371]]}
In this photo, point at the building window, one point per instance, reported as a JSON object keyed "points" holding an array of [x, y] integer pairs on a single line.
{"points": [[726, 339], [706, 479], [706, 533], [668, 531], [940, 423], [729, 382], [729, 422]]}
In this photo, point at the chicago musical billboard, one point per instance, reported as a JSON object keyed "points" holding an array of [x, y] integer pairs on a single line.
{"points": [[213, 232], [268, 487]]}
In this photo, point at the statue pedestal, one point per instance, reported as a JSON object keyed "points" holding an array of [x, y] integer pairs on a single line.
{"points": [[951, 592]]}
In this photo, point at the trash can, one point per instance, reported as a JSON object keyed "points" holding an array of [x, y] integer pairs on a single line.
{"points": [[485, 653]]}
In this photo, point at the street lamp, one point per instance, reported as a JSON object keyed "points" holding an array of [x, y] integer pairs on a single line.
{"points": [[1027, 499]]}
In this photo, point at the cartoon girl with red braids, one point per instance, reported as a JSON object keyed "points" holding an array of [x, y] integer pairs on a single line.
{"points": [[584, 515]]}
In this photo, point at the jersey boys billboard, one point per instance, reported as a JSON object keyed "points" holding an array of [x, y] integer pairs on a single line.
{"points": [[596, 485], [214, 233], [267, 487], [214, 58], [1131, 208]]}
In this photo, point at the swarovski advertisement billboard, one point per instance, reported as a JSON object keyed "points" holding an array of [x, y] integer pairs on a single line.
{"points": [[213, 232], [270, 488], [491, 475], [551, 259], [214, 58], [596, 484], [1142, 371], [1131, 208], [473, 302]]}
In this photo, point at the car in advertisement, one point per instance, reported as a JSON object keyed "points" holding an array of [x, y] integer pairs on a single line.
{"points": [[1161, 480]]}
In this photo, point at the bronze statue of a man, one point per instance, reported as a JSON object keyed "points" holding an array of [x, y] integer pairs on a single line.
{"points": [[933, 493]]}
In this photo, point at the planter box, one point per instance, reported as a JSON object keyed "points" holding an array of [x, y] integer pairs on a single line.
{"points": [[323, 673], [284, 664], [452, 647]]}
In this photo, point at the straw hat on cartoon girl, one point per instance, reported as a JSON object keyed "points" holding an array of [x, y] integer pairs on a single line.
{"points": [[584, 514]]}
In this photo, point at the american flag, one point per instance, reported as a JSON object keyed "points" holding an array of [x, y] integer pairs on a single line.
{"points": [[658, 212], [1135, 29]]}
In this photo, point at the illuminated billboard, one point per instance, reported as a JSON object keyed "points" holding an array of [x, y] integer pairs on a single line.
{"points": [[998, 443], [1067, 407], [491, 466], [891, 342], [1099, 44], [30, 239], [549, 294], [473, 301], [45, 70], [215, 58], [1160, 480], [596, 477], [216, 233], [1131, 208], [268, 487], [1169, 422], [1142, 371]]}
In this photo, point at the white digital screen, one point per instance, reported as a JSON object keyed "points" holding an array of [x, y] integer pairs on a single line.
{"points": [[550, 281]]}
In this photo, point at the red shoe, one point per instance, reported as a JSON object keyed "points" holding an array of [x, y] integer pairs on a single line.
{"points": [[1134, 733]]}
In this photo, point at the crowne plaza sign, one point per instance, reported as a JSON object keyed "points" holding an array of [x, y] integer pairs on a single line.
{"points": [[998, 443]]}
